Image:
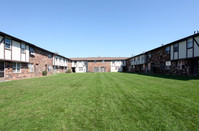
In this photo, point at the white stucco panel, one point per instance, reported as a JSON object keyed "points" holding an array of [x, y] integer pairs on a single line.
{"points": [[1, 49], [196, 47], [182, 49], [16, 50]]}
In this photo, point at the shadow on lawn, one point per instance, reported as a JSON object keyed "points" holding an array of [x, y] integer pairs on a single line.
{"points": [[183, 78]]}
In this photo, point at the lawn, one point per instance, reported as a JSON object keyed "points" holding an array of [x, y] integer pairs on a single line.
{"points": [[100, 101]]}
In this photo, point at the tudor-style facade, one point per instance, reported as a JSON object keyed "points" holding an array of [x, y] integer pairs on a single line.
{"points": [[180, 57], [20, 59], [99, 64], [137, 63], [60, 63]]}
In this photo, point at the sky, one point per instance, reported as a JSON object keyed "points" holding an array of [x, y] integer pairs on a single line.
{"points": [[105, 28]]}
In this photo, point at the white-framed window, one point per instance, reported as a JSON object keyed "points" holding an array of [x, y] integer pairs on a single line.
{"points": [[168, 50], [49, 69], [31, 67], [168, 65], [80, 68], [7, 43], [189, 43], [23, 48], [32, 51], [16, 67]]}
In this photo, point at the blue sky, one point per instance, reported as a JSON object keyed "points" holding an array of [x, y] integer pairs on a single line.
{"points": [[85, 28]]}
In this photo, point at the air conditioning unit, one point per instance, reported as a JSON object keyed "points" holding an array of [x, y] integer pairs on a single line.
{"points": [[32, 53]]}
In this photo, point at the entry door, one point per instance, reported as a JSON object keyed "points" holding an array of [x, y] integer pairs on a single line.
{"points": [[1, 69]]}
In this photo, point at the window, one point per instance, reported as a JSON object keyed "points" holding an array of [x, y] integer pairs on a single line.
{"points": [[49, 56], [149, 55], [32, 52], [7, 43], [181, 65], [49, 68], [102, 61], [95, 61], [31, 67], [168, 49], [190, 43], [23, 48], [80, 68], [168, 65], [55, 68], [175, 46], [16, 67]]}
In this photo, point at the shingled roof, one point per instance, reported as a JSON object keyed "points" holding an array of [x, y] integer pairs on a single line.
{"points": [[99, 58]]}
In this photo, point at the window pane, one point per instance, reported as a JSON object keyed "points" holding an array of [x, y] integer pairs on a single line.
{"points": [[7, 41], [189, 43], [175, 47], [23, 46], [14, 65], [7, 46], [18, 64], [31, 50]]}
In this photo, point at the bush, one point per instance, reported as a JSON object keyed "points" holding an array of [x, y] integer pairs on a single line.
{"points": [[68, 71], [44, 73]]}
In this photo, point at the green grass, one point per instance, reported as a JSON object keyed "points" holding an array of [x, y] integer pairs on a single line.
{"points": [[100, 101]]}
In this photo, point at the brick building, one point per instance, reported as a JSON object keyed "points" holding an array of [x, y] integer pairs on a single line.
{"points": [[99, 64], [20, 59], [180, 57]]}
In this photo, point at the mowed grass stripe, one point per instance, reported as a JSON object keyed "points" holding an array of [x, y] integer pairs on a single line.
{"points": [[100, 101], [172, 100]]}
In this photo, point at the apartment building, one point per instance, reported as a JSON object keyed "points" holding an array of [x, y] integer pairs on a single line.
{"points": [[98, 64], [20, 59], [180, 57], [60, 63]]}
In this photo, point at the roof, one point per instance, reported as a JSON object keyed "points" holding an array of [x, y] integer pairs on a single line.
{"points": [[99, 58], [28, 43], [176, 41]]}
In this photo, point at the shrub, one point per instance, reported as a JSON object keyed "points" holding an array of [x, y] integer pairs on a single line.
{"points": [[44, 73], [68, 71]]}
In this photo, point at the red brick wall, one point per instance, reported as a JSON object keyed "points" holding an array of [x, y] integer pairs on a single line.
{"points": [[70, 65], [157, 60], [41, 61], [9, 75], [128, 65], [92, 65]]}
